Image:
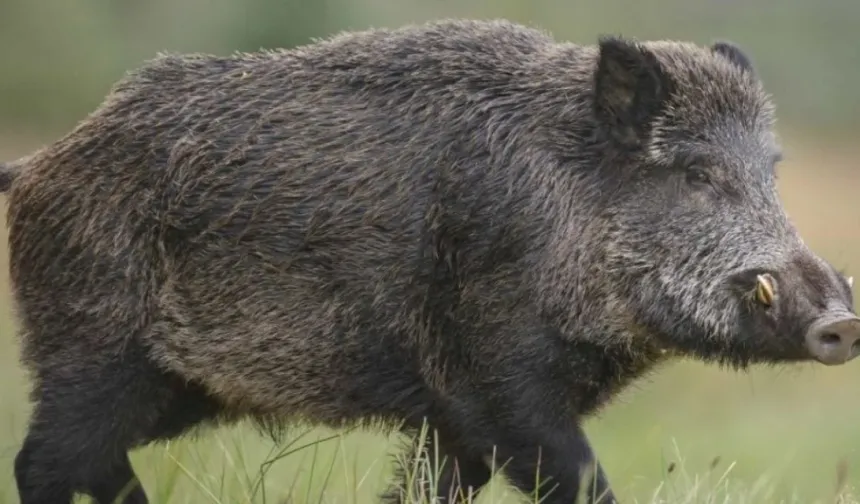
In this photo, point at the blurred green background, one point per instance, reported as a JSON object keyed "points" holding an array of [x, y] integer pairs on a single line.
{"points": [[784, 429]]}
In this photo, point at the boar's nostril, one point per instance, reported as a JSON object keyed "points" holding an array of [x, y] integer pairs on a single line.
{"points": [[830, 339]]}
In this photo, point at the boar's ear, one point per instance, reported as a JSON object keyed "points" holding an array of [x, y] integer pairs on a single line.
{"points": [[734, 54], [630, 87]]}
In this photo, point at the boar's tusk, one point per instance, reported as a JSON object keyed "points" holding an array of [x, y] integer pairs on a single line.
{"points": [[851, 282], [763, 290]]}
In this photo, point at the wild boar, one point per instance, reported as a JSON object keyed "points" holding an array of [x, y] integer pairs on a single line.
{"points": [[464, 222]]}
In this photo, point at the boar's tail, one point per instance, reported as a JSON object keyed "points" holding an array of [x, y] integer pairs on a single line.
{"points": [[9, 171]]}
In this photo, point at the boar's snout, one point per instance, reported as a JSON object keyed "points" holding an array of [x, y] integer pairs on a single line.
{"points": [[805, 307], [834, 338]]}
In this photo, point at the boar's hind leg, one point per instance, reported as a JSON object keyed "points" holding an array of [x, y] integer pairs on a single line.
{"points": [[444, 472], [90, 410]]}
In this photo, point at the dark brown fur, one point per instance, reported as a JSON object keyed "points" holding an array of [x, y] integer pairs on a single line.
{"points": [[8, 173], [6, 178], [425, 223]]}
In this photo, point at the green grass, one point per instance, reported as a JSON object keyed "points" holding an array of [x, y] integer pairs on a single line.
{"points": [[777, 435]]}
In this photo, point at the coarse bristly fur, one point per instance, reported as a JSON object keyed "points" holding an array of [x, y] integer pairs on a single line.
{"points": [[463, 222]]}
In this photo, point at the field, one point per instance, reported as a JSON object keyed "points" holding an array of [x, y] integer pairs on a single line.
{"points": [[781, 435]]}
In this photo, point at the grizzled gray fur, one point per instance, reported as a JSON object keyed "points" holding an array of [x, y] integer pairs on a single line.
{"points": [[463, 222]]}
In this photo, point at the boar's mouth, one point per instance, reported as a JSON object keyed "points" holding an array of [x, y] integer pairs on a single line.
{"points": [[833, 335]]}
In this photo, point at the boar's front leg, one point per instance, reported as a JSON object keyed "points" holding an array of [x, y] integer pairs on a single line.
{"points": [[555, 465], [445, 470], [530, 403], [551, 461]]}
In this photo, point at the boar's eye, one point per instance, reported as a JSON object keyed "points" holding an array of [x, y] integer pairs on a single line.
{"points": [[698, 176]]}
